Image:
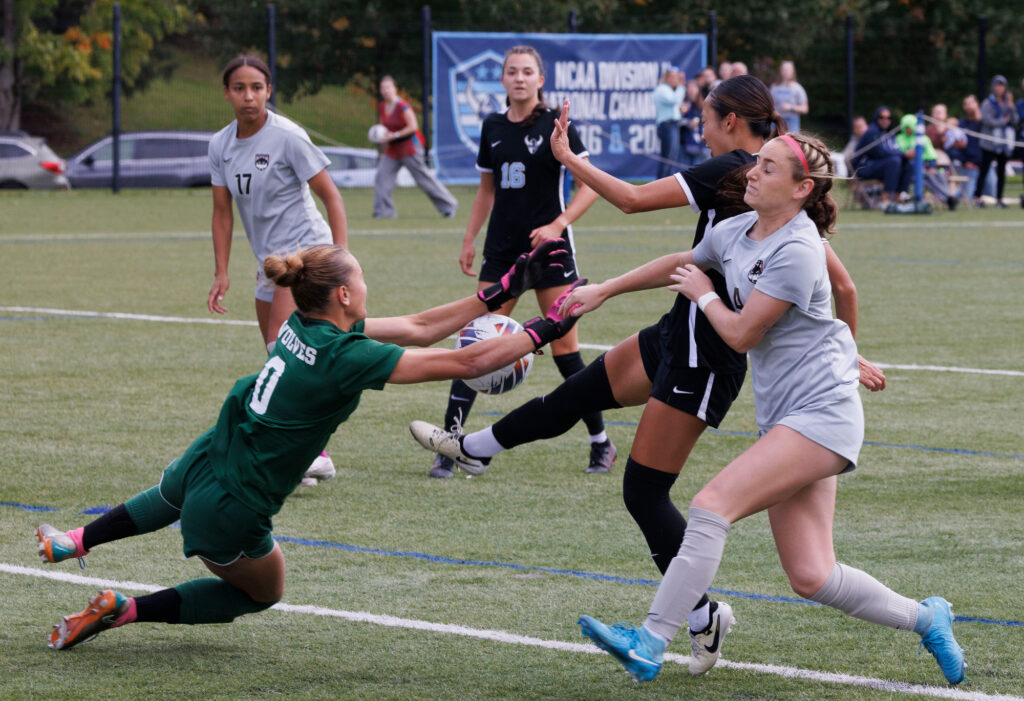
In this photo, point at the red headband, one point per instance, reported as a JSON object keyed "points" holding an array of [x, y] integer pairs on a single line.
{"points": [[797, 150]]}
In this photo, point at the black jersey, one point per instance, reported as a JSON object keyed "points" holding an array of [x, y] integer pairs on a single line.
{"points": [[528, 180], [687, 337]]}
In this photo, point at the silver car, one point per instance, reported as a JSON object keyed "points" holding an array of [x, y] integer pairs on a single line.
{"points": [[27, 162], [147, 159], [357, 167]]}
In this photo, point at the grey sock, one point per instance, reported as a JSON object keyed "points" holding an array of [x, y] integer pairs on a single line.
{"points": [[856, 593], [689, 574]]}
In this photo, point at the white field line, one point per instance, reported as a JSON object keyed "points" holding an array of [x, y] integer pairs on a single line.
{"points": [[500, 636], [881, 224], [588, 346]]}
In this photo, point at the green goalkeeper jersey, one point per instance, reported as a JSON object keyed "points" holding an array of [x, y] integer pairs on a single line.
{"points": [[273, 424]]}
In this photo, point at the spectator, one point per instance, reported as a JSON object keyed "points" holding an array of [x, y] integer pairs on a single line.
{"points": [[790, 96], [998, 126], [1018, 153], [725, 70], [402, 148], [691, 135], [935, 130], [954, 141], [859, 126], [934, 179], [668, 102], [971, 152], [739, 68], [707, 79], [880, 156]]}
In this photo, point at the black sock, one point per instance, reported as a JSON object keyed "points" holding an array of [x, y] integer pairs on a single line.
{"points": [[569, 364], [460, 401], [163, 606], [646, 494], [113, 525], [557, 412]]}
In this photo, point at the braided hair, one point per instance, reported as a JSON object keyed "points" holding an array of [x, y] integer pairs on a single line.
{"points": [[819, 205]]}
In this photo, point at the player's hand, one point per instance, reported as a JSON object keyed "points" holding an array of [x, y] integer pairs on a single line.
{"points": [[580, 299], [555, 323], [220, 286], [691, 282], [466, 257], [548, 232], [560, 135], [871, 376], [526, 272]]}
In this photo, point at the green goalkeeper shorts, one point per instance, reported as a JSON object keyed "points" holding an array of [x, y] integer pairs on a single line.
{"points": [[214, 524]]}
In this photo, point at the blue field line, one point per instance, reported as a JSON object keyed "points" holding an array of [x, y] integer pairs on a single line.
{"points": [[27, 507], [579, 574], [877, 444]]}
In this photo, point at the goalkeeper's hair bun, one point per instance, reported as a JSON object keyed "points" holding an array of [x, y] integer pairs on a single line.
{"points": [[311, 273]]}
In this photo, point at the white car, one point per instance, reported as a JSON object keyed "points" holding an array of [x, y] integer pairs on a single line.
{"points": [[357, 167]]}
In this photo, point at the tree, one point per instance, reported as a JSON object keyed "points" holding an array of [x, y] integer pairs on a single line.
{"points": [[59, 51]]}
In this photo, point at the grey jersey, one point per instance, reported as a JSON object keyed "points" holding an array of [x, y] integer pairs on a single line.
{"points": [[807, 356], [267, 175]]}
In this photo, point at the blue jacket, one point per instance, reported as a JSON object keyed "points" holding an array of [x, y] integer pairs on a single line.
{"points": [[886, 148]]}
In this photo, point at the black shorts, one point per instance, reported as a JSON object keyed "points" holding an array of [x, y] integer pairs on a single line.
{"points": [[494, 266], [696, 391]]}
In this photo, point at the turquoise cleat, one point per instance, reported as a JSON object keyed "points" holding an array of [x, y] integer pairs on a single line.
{"points": [[639, 652], [940, 642]]}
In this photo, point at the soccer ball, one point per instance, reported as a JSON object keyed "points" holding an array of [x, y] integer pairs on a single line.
{"points": [[503, 379], [377, 134]]}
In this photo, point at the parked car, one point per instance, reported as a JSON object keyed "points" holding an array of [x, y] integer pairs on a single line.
{"points": [[27, 162], [357, 167], [148, 159]]}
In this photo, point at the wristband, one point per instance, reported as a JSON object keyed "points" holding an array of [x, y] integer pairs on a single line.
{"points": [[706, 299]]}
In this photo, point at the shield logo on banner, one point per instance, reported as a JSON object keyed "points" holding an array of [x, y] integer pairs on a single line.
{"points": [[476, 90]]}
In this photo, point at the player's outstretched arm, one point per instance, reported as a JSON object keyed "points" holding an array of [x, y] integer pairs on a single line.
{"points": [[660, 194], [430, 326], [648, 276], [476, 359]]}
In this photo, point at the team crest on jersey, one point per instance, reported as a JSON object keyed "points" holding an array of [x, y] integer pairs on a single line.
{"points": [[262, 161], [533, 144], [754, 273], [476, 90]]}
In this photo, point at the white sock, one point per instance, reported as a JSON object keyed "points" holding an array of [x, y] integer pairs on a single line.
{"points": [[856, 593], [482, 444], [599, 437], [699, 618]]}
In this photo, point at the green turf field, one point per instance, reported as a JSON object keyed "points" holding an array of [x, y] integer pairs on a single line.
{"points": [[405, 587]]}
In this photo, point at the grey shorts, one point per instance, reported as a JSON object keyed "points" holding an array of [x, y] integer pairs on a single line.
{"points": [[835, 424]]}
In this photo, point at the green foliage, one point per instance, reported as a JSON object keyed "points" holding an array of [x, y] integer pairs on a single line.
{"points": [[63, 50]]}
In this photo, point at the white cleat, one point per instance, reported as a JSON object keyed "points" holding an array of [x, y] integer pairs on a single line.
{"points": [[447, 443], [706, 646], [320, 470]]}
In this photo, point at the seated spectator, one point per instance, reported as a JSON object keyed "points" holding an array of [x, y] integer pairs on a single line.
{"points": [[934, 179], [738, 68], [724, 70], [859, 126], [880, 157], [935, 130], [954, 141]]}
